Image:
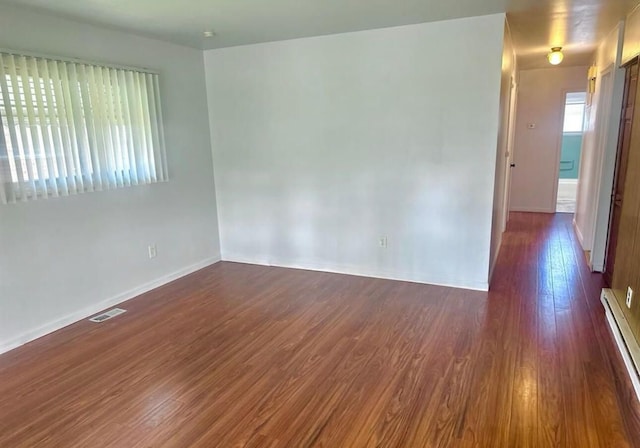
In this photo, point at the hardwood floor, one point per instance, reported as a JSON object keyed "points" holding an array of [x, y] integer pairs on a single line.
{"points": [[241, 355]]}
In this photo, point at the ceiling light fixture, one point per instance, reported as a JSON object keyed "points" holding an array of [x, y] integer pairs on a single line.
{"points": [[208, 34], [556, 56]]}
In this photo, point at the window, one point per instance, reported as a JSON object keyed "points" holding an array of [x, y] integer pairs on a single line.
{"points": [[71, 127], [574, 112]]}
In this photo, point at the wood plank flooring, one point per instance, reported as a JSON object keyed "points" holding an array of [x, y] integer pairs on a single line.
{"points": [[248, 356]]}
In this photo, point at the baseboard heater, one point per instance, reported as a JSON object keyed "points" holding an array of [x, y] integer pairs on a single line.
{"points": [[625, 340]]}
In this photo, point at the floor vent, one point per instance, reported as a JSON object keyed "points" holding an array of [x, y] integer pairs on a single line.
{"points": [[108, 315]]}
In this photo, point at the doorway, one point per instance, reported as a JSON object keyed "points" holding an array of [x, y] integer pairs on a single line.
{"points": [[570, 153], [538, 136]]}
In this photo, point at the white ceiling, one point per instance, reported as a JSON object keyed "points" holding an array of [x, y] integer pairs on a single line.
{"points": [[537, 25], [575, 25]]}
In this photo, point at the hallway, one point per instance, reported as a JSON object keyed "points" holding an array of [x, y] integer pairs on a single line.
{"points": [[569, 383], [242, 355]]}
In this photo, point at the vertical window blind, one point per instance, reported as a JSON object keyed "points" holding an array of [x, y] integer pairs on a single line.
{"points": [[72, 127]]}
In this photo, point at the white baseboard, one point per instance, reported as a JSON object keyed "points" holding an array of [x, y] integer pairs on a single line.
{"points": [[494, 262], [584, 246], [623, 336], [84, 313], [531, 209], [349, 270], [579, 234]]}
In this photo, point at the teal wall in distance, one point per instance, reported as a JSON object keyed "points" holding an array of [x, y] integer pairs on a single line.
{"points": [[570, 156]]}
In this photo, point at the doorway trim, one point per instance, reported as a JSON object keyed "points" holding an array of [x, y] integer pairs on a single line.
{"points": [[600, 149], [606, 173], [511, 137]]}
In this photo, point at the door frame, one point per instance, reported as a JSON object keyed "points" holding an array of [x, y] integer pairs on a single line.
{"points": [[618, 153], [600, 149], [606, 174], [511, 131]]}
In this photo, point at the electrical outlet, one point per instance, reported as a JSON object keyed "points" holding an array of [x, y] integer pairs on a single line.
{"points": [[383, 241], [629, 296], [153, 251]]}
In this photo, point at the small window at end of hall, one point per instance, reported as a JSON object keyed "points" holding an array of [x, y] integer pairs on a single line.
{"points": [[574, 112]]}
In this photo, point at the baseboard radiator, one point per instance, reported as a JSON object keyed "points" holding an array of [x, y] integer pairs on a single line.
{"points": [[625, 340]]}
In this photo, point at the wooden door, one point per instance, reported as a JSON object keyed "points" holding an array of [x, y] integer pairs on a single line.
{"points": [[622, 160]]}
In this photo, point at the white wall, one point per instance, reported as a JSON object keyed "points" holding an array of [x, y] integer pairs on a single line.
{"points": [[631, 47], [507, 113], [323, 145], [62, 259], [541, 100], [599, 150]]}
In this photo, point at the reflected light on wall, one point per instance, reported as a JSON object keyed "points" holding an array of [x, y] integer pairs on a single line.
{"points": [[558, 30]]}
